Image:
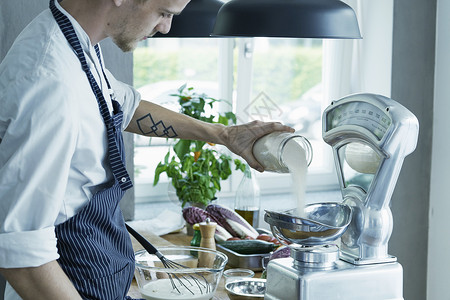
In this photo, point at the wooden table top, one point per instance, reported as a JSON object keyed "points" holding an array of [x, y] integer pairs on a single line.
{"points": [[181, 239]]}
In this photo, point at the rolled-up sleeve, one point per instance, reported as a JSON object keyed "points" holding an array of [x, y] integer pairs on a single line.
{"points": [[28, 248], [35, 155], [127, 96]]}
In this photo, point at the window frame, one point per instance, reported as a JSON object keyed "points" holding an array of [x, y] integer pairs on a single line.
{"points": [[273, 183], [270, 183]]}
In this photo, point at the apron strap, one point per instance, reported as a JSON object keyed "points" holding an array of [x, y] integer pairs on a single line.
{"points": [[117, 165]]}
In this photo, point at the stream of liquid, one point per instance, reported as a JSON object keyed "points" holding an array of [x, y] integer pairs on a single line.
{"points": [[294, 157]]}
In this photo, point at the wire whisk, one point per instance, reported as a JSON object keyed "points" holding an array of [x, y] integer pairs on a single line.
{"points": [[190, 282]]}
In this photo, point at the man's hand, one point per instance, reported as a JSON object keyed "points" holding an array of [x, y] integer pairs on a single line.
{"points": [[240, 138]]}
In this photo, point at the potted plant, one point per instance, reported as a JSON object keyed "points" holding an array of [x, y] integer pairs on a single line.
{"points": [[196, 168]]}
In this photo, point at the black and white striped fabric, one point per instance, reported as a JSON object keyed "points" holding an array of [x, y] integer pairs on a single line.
{"points": [[117, 165], [94, 246]]}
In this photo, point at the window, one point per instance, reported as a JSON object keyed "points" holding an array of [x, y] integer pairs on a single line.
{"points": [[266, 79], [161, 66]]}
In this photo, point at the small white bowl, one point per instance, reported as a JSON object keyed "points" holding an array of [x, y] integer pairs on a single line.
{"points": [[236, 274]]}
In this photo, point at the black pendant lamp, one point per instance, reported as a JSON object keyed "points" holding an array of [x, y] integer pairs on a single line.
{"points": [[196, 20], [287, 18]]}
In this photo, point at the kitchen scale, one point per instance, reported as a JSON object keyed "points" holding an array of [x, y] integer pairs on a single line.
{"points": [[370, 136]]}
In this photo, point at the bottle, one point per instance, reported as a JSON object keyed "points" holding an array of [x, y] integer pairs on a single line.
{"points": [[285, 152], [247, 201], [197, 236], [269, 150]]}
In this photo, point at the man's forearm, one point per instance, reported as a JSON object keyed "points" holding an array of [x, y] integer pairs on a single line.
{"points": [[44, 282], [154, 120]]}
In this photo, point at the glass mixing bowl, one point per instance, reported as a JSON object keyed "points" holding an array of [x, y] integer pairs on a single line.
{"points": [[196, 280]]}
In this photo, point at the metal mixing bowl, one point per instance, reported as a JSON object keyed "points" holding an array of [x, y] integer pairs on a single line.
{"points": [[246, 289], [199, 280], [320, 224]]}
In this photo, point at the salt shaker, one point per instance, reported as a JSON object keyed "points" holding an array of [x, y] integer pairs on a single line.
{"points": [[271, 150], [207, 229]]}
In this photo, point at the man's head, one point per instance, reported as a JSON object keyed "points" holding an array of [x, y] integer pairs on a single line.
{"points": [[131, 21]]}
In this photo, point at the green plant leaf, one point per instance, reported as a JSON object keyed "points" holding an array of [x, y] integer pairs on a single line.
{"points": [[231, 116], [198, 145], [181, 148], [186, 164], [240, 165], [210, 193], [166, 158], [159, 169], [197, 180], [181, 88], [223, 120]]}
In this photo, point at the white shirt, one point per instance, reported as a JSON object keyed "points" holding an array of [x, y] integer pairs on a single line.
{"points": [[54, 144]]}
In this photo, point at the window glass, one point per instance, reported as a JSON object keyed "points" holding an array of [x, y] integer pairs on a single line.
{"points": [[288, 74], [161, 66], [286, 86], [284, 77]]}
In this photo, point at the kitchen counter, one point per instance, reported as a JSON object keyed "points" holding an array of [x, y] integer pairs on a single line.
{"points": [[182, 239]]}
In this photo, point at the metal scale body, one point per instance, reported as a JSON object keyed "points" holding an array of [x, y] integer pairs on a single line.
{"points": [[370, 136]]}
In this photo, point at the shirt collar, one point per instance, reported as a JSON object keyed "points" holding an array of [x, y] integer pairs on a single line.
{"points": [[81, 34]]}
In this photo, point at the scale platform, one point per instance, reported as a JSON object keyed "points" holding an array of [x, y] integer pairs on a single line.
{"points": [[342, 281], [315, 270]]}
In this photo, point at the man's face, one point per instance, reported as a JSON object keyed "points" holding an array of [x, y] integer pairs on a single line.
{"points": [[136, 20]]}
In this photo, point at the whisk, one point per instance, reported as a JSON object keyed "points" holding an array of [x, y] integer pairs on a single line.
{"points": [[186, 281]]}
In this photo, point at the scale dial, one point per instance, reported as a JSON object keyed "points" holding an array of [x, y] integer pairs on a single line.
{"points": [[361, 114]]}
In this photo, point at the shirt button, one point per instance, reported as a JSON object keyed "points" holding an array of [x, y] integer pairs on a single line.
{"points": [[123, 179]]}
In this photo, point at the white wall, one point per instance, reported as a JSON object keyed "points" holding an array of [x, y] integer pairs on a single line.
{"points": [[439, 237], [413, 64]]}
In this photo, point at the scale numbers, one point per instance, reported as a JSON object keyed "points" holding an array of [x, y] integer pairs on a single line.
{"points": [[361, 114]]}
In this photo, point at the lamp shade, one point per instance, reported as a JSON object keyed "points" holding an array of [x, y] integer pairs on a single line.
{"points": [[196, 20], [287, 18]]}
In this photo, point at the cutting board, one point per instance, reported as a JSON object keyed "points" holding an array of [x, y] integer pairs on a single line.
{"points": [[152, 238]]}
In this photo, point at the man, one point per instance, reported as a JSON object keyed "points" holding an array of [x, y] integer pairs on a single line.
{"points": [[62, 170]]}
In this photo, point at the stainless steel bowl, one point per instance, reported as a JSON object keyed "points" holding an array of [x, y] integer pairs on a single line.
{"points": [[246, 289], [320, 224]]}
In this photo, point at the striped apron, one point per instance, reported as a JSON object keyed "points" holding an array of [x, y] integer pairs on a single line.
{"points": [[94, 246]]}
